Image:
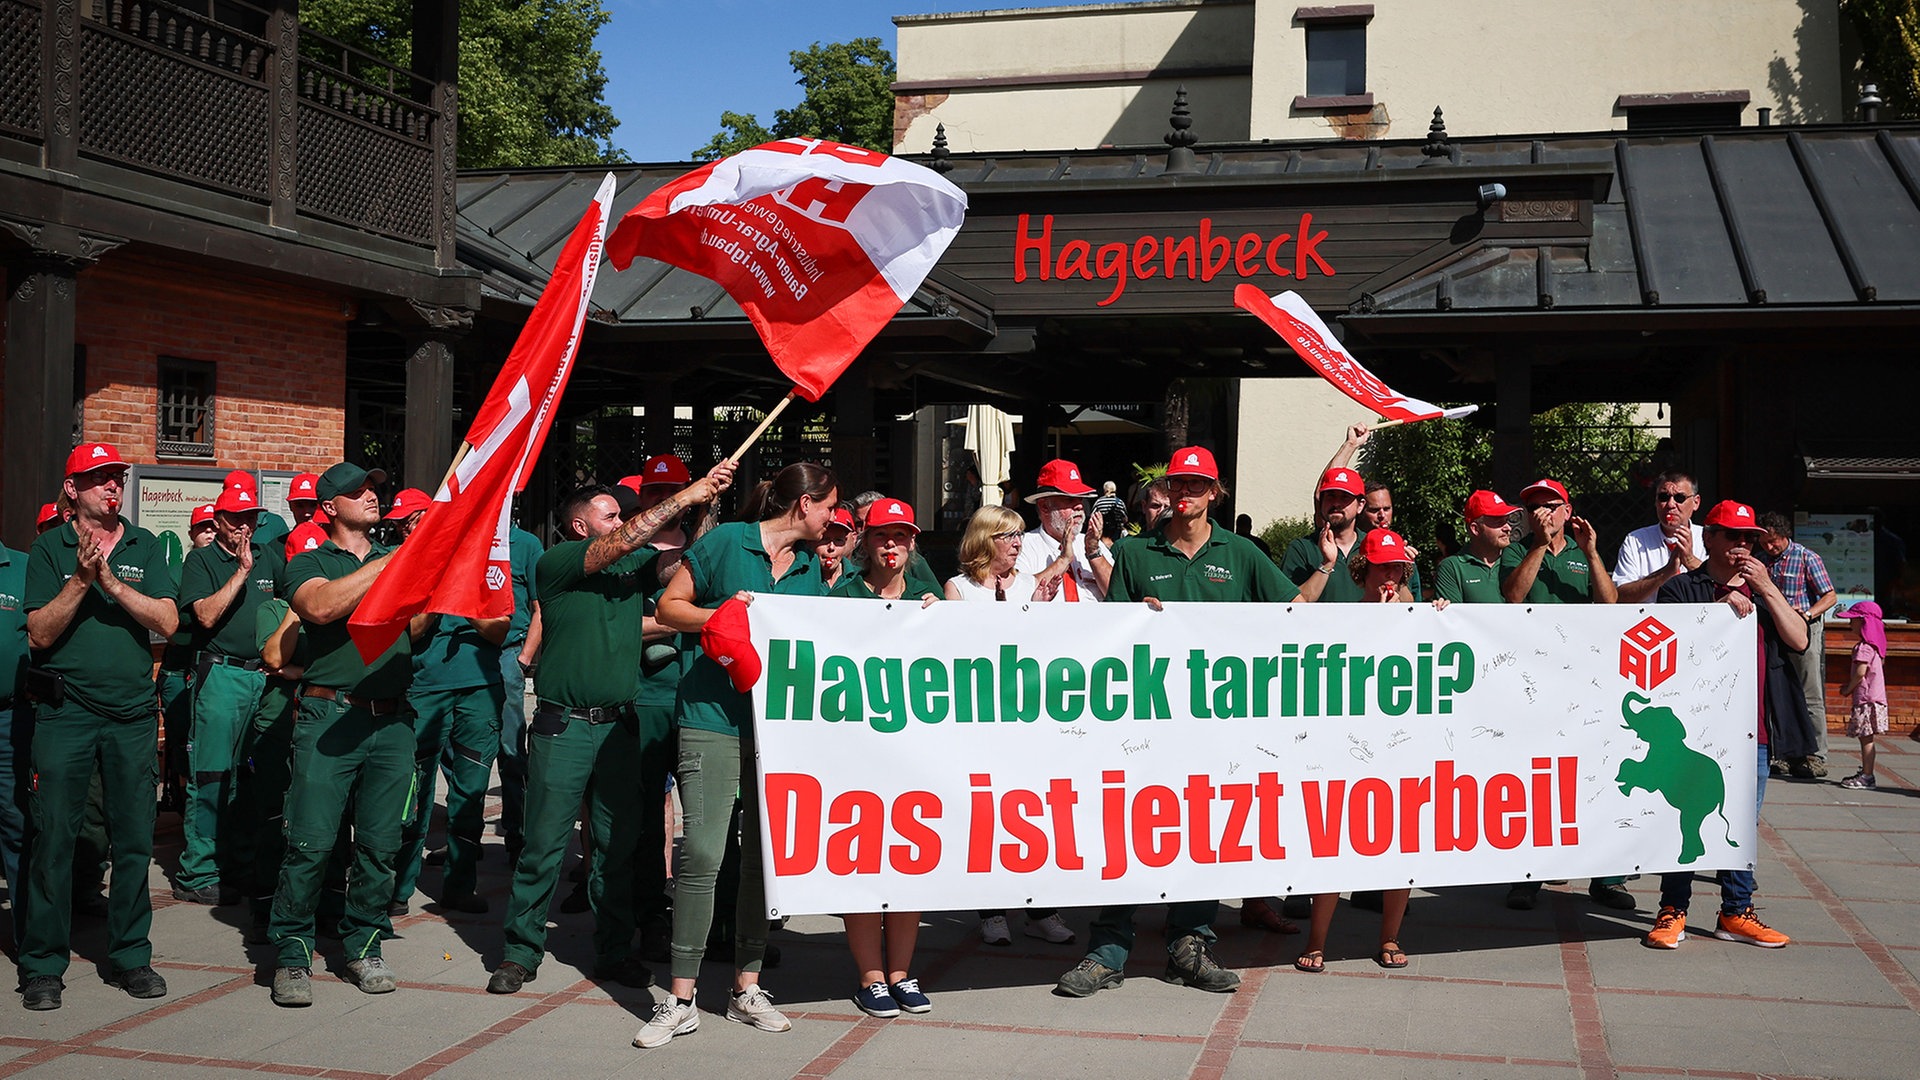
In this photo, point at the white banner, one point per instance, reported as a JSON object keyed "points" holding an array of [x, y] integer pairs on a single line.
{"points": [[1004, 755]]}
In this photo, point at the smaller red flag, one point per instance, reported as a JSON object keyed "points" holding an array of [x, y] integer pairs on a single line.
{"points": [[456, 559], [819, 243], [1294, 320]]}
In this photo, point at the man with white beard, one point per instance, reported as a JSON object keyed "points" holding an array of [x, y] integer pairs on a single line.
{"points": [[1060, 495]]}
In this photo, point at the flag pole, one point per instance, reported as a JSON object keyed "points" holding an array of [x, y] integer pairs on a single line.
{"points": [[765, 422], [459, 456]]}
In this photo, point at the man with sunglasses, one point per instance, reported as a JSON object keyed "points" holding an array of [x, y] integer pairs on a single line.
{"points": [[1473, 576], [96, 588], [1652, 556], [1732, 573]]}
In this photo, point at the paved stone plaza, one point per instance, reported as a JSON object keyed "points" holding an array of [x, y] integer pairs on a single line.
{"points": [[1563, 991]]}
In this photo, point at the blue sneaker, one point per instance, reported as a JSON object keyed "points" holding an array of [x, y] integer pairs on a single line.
{"points": [[874, 1000], [907, 994]]}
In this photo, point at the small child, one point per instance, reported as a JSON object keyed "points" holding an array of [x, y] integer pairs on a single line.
{"points": [[1868, 685]]}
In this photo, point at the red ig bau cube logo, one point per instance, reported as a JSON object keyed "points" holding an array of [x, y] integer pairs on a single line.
{"points": [[1649, 653]]}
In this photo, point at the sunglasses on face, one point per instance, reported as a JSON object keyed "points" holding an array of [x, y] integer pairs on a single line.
{"points": [[1671, 496]]}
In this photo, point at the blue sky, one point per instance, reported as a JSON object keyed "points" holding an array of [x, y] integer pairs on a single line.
{"points": [[667, 80]]}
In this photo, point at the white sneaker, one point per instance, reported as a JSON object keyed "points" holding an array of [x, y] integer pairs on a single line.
{"points": [[993, 930], [670, 1018], [754, 1007], [1051, 929]]}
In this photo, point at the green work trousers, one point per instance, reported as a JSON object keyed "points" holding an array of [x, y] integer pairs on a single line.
{"points": [[456, 732], [175, 686], [342, 752], [713, 770], [224, 702], [260, 804], [621, 771], [68, 744]]}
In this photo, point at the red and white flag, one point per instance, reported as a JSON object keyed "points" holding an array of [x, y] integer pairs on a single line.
{"points": [[456, 561], [1294, 320], [819, 243]]}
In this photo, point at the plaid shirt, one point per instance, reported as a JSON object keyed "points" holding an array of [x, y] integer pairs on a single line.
{"points": [[1801, 576]]}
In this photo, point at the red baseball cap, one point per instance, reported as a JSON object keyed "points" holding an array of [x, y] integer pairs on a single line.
{"points": [[1385, 546], [890, 512], [49, 514], [245, 481], [1551, 487], [1487, 504], [1057, 477], [1346, 480], [94, 455], [1193, 461], [1733, 516], [305, 537], [664, 469], [727, 641], [236, 500], [842, 517], [202, 515], [407, 502], [305, 488]]}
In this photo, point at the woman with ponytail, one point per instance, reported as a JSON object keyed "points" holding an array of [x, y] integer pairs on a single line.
{"points": [[770, 552]]}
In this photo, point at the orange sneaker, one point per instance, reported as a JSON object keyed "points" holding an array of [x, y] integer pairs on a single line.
{"points": [[1745, 927], [1669, 930]]}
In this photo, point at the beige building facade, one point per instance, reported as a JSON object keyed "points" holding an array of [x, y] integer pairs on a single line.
{"points": [[1105, 75]]}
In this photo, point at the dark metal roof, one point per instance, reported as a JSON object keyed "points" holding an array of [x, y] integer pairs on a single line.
{"points": [[1737, 219]]}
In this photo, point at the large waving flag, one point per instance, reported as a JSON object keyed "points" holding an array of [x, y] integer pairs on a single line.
{"points": [[819, 243], [1294, 320], [456, 560]]}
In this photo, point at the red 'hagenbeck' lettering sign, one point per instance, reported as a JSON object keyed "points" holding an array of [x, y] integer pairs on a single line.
{"points": [[1200, 256]]}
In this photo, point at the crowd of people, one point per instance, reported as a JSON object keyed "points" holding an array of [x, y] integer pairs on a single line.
{"points": [[308, 777]]}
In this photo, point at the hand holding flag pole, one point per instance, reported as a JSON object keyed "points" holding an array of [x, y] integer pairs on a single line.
{"points": [[819, 243], [1295, 321]]}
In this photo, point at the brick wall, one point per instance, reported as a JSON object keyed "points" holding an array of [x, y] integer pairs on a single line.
{"points": [[279, 354]]}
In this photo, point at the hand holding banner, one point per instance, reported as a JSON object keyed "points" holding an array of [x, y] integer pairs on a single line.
{"points": [[818, 242], [456, 560], [1296, 322]]}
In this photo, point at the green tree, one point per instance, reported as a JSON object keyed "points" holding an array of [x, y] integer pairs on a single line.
{"points": [[848, 98], [1433, 466], [1889, 51], [530, 80]]}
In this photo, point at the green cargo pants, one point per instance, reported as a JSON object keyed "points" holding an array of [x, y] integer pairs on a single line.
{"points": [[68, 743], [456, 732], [266, 771], [342, 752], [224, 702]]}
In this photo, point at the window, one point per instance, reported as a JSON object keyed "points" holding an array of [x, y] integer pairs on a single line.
{"points": [[1336, 56], [1336, 61], [186, 408], [1683, 111]]}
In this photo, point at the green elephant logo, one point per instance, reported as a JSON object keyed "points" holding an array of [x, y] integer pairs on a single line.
{"points": [[1689, 780]]}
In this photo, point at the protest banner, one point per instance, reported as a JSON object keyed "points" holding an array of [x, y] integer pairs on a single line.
{"points": [[997, 755]]}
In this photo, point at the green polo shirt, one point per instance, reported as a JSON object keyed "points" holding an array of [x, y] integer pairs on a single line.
{"points": [[523, 551], [1463, 579], [723, 562], [205, 573], [590, 625], [13, 621], [661, 689], [1227, 568], [271, 529], [1563, 578], [266, 619], [455, 657], [856, 587], [104, 655], [335, 663], [1302, 560]]}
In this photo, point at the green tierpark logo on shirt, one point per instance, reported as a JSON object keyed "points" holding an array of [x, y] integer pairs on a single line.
{"points": [[130, 573]]}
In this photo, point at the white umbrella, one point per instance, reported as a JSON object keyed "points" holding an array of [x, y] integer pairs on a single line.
{"points": [[990, 437]]}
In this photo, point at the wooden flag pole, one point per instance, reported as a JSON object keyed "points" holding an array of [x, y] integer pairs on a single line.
{"points": [[1386, 424], [765, 422], [459, 456]]}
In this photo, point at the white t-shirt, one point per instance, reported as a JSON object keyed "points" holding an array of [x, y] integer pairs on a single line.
{"points": [[1038, 550], [1020, 592], [1644, 552]]}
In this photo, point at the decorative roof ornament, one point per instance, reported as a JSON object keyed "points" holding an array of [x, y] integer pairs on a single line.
{"points": [[1180, 138], [1437, 149], [942, 157]]}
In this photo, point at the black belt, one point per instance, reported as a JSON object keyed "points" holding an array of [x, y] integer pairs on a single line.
{"points": [[385, 706], [229, 661], [596, 715]]}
